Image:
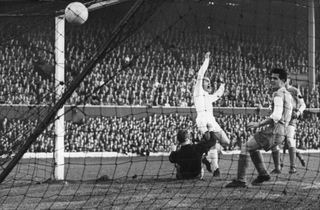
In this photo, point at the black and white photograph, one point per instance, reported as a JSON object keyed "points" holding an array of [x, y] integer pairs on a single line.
{"points": [[159, 104]]}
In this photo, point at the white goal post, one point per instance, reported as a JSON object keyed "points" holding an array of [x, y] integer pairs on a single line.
{"points": [[59, 84]]}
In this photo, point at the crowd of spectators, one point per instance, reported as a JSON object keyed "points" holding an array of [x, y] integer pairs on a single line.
{"points": [[162, 65], [153, 133]]}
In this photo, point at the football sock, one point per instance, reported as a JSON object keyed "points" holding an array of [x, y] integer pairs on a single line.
{"points": [[242, 167], [292, 156], [258, 162], [214, 163], [276, 159]]}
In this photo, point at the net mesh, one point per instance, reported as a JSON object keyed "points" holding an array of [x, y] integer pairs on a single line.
{"points": [[140, 60]]}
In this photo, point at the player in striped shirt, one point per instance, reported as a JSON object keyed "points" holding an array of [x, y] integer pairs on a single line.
{"points": [[203, 99], [270, 136]]}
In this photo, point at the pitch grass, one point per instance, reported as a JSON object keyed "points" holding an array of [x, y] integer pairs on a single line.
{"points": [[149, 183]]}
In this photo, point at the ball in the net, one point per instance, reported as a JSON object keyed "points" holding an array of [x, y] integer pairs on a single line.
{"points": [[76, 13]]}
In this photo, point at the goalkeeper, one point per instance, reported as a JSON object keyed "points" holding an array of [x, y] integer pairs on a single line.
{"points": [[187, 158], [203, 99]]}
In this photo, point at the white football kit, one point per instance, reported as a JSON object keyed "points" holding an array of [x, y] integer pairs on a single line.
{"points": [[203, 101]]}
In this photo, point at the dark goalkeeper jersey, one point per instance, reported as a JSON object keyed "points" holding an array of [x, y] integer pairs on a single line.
{"points": [[189, 156]]}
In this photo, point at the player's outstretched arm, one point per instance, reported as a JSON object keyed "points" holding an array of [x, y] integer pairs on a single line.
{"points": [[301, 105], [204, 67], [198, 86], [219, 93]]}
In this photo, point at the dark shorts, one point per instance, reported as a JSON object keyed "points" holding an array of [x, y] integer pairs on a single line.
{"points": [[271, 136], [179, 175]]}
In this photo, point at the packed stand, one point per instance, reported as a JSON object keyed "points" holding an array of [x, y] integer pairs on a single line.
{"points": [[162, 74], [153, 133]]}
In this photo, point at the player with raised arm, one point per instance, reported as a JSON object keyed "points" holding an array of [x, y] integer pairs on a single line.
{"points": [[203, 99], [298, 106], [270, 136]]}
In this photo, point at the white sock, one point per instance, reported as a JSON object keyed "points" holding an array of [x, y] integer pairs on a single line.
{"points": [[213, 159]]}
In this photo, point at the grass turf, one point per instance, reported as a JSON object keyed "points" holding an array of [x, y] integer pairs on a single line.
{"points": [[149, 183]]}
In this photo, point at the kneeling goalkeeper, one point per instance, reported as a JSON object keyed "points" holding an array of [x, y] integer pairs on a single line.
{"points": [[187, 158]]}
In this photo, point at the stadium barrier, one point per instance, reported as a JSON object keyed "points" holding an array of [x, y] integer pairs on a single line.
{"points": [[75, 113], [44, 155], [32, 112]]}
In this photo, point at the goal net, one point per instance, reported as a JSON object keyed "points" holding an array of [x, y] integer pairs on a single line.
{"points": [[98, 135]]}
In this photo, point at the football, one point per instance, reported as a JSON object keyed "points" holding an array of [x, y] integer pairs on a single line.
{"points": [[76, 13]]}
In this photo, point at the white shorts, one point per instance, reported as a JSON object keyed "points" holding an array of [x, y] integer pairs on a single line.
{"points": [[290, 133], [204, 119]]}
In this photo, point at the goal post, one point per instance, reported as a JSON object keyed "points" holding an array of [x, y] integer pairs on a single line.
{"points": [[59, 124], [311, 45]]}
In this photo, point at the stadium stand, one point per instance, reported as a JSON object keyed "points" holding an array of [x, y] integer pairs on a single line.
{"points": [[154, 133], [163, 75]]}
